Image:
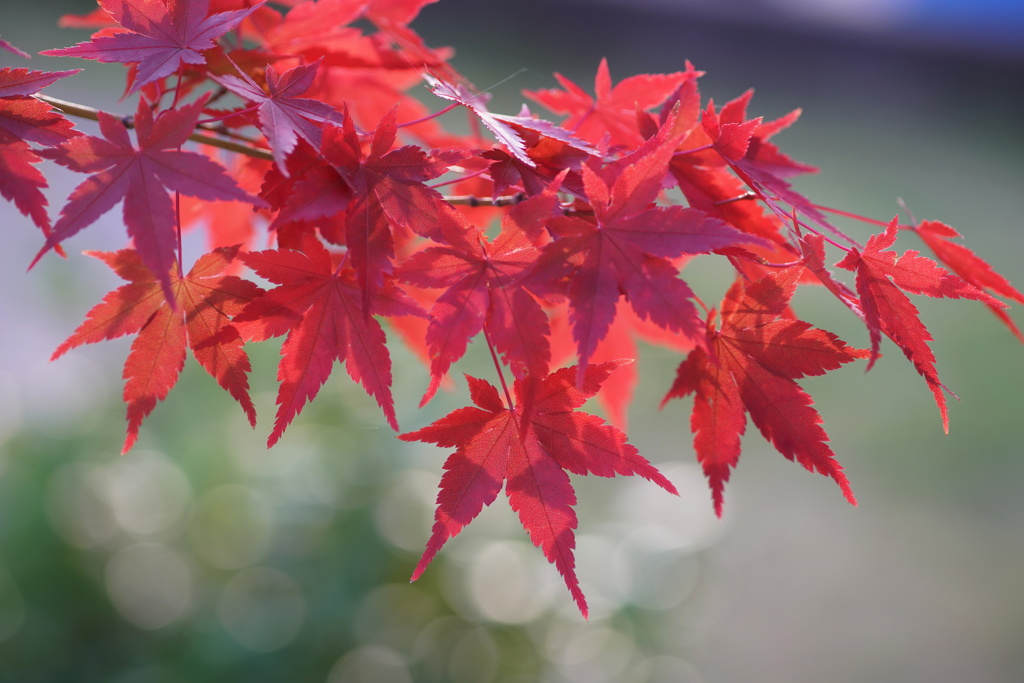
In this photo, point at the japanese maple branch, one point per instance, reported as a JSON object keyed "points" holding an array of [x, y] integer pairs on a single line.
{"points": [[82, 111]]}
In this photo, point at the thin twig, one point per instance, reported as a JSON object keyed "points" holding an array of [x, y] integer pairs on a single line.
{"points": [[85, 112]]}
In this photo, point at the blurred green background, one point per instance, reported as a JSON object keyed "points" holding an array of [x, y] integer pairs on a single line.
{"points": [[202, 556]]}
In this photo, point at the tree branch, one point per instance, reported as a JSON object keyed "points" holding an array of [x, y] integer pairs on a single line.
{"points": [[81, 111]]}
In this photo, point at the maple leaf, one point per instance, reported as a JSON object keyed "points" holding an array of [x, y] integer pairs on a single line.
{"points": [[627, 249], [620, 342], [395, 12], [551, 150], [511, 131], [750, 366], [881, 275], [24, 119], [141, 177], [158, 37], [528, 446], [967, 265], [743, 144], [10, 48], [614, 109], [483, 292], [386, 188], [196, 318], [320, 306], [285, 117]]}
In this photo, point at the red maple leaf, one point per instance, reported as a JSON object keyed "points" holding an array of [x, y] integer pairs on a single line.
{"points": [[387, 190], [10, 48], [24, 119], [528, 446], [158, 37], [620, 342], [965, 263], [196, 317], [881, 275], [483, 292], [141, 177], [744, 145], [750, 366], [613, 110], [319, 304], [627, 248], [284, 117]]}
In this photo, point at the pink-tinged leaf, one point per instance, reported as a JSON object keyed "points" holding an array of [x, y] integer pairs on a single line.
{"points": [[511, 131], [284, 116], [813, 247], [758, 163], [15, 82], [158, 37], [10, 48], [528, 448], [477, 103], [753, 360], [196, 318]]}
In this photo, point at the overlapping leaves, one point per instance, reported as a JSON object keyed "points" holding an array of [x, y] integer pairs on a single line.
{"points": [[569, 249]]}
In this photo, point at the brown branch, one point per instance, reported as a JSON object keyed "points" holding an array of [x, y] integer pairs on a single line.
{"points": [[81, 111], [472, 200]]}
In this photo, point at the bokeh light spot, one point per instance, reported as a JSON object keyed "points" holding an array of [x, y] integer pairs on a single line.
{"points": [[370, 664], [147, 493], [77, 506], [149, 585], [510, 582], [262, 608], [231, 527]]}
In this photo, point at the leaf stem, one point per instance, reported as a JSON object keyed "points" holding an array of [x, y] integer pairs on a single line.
{"points": [[497, 366], [855, 216], [694, 150], [428, 117]]}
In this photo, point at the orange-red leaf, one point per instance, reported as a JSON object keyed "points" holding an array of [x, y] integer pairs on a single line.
{"points": [[197, 317]]}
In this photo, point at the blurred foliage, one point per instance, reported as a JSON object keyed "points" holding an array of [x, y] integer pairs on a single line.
{"points": [[228, 562]]}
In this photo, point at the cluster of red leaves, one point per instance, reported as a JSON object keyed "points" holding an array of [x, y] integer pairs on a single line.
{"points": [[341, 165]]}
